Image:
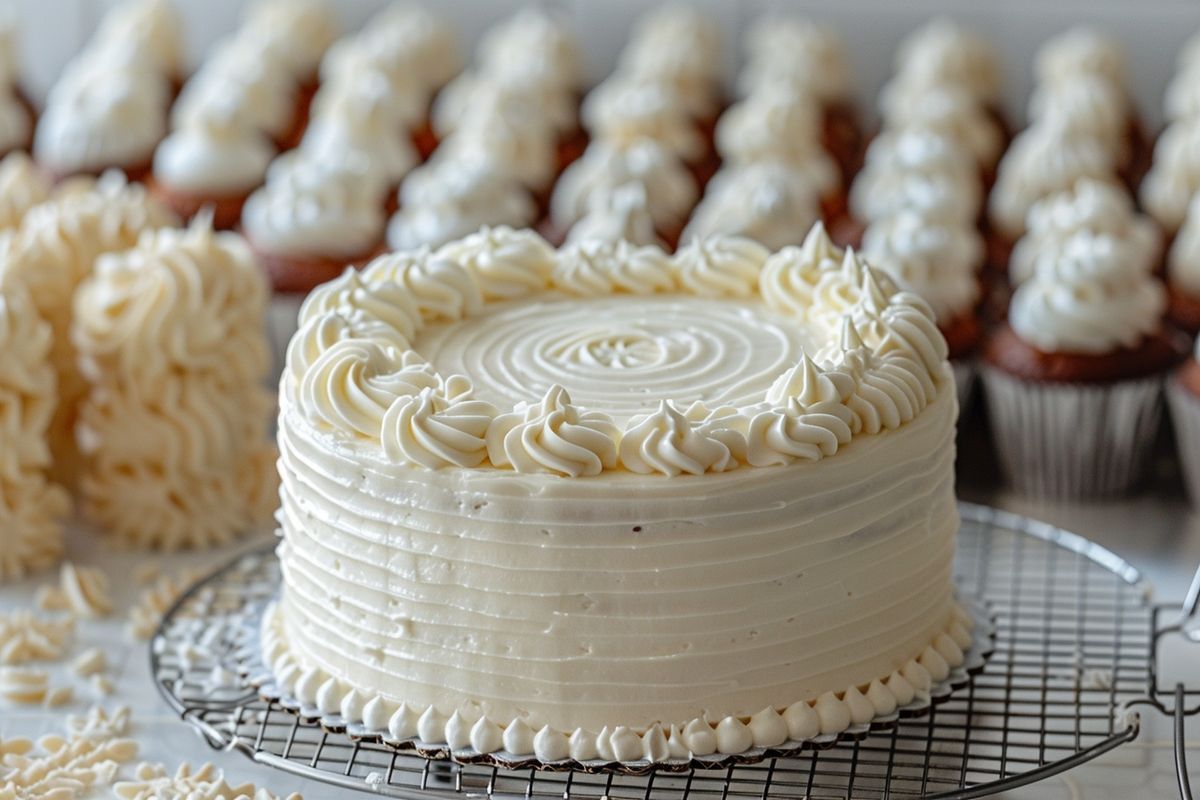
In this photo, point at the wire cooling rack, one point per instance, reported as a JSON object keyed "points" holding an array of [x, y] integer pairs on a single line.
{"points": [[1075, 654]]}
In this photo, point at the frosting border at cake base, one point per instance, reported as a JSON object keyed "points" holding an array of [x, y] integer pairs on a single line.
{"points": [[942, 667]]}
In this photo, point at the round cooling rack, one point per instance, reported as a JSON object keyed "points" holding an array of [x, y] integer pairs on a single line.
{"points": [[1074, 650]]}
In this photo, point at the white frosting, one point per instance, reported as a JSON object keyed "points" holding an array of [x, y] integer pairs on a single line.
{"points": [[1041, 161], [777, 124], [1183, 260], [479, 94], [105, 118], [296, 32], [770, 202], [445, 200], [721, 266], [242, 83], [671, 190], [1182, 99], [310, 209], [620, 214], [150, 28], [1087, 105], [535, 47], [213, 159], [1174, 176], [624, 110], [405, 41], [522, 150], [951, 111], [1081, 51], [1089, 295], [940, 262], [1088, 205], [678, 48], [504, 263], [798, 52], [943, 52]]}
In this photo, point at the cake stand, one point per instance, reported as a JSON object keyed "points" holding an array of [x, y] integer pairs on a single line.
{"points": [[1076, 654]]}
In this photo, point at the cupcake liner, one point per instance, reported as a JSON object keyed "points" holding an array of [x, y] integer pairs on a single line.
{"points": [[1072, 440], [964, 384], [1185, 414], [281, 325]]}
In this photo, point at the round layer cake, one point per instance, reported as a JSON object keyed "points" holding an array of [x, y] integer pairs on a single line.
{"points": [[607, 503]]}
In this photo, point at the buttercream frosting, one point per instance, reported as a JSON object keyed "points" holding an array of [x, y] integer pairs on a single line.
{"points": [[480, 94], [1081, 51], [953, 112], [720, 266], [445, 200], [404, 39], [769, 202], [1089, 295], [148, 27], [536, 47], [777, 124], [798, 52], [679, 48], [1088, 205], [241, 82], [624, 110], [1087, 105], [1174, 175], [944, 52], [938, 261], [213, 159], [296, 32], [522, 150], [310, 208], [671, 191], [620, 214]]}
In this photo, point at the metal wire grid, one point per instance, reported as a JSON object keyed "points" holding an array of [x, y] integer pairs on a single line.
{"points": [[1074, 644]]}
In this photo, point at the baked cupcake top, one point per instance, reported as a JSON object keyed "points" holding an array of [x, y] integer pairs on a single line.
{"points": [[621, 214], [671, 190], [1174, 175], [104, 118], [1183, 260], [777, 123], [1081, 51], [950, 110], [447, 199], [243, 82], [297, 32], [1091, 205], [921, 169], [1043, 159], [1087, 105], [798, 52], [212, 158], [943, 52], [311, 208], [1090, 295], [22, 186], [768, 202], [624, 110], [937, 260]]}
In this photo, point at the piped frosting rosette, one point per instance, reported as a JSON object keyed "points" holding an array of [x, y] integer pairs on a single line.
{"points": [[355, 385]]}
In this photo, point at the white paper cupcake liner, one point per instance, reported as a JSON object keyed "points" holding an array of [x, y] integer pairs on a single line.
{"points": [[964, 384], [1185, 414], [281, 325], [1072, 440]]}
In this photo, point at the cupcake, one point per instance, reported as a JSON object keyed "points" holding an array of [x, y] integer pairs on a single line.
{"points": [[1088, 205], [671, 190], [1092, 107], [940, 261], [811, 58], [1174, 176], [1044, 159], [1074, 380], [445, 200], [1183, 397], [915, 169], [774, 204], [210, 163], [312, 218], [1183, 273]]}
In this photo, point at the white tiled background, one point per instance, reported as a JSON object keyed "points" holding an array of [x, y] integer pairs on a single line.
{"points": [[1153, 29]]}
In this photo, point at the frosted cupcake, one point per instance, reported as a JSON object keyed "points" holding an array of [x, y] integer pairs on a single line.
{"points": [[941, 262], [1174, 176], [311, 219], [671, 190], [210, 164], [1089, 205], [774, 204], [1092, 107], [1074, 380], [446, 200], [955, 114]]}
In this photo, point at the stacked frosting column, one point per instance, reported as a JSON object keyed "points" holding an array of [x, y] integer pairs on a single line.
{"points": [[507, 125], [777, 178], [173, 427], [248, 100], [110, 106], [1080, 123], [920, 193], [651, 127]]}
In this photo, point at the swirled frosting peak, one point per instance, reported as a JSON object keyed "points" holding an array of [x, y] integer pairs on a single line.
{"points": [[383, 301], [597, 266], [554, 436], [720, 266], [505, 263], [431, 430], [789, 277], [667, 442], [442, 288]]}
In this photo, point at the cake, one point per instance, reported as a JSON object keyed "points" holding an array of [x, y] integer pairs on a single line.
{"points": [[606, 503]]}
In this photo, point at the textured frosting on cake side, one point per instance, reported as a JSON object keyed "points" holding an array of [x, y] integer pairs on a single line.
{"points": [[733, 527]]}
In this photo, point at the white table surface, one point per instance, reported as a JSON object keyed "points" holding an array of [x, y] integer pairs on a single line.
{"points": [[1156, 532]]}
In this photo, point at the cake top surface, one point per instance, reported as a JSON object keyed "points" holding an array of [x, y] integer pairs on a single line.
{"points": [[498, 351]]}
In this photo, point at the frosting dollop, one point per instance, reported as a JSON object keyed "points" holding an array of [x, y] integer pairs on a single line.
{"points": [[597, 266], [553, 436], [213, 158], [504, 262], [1174, 175], [442, 288], [667, 442], [769, 202], [433, 431], [720, 266]]}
